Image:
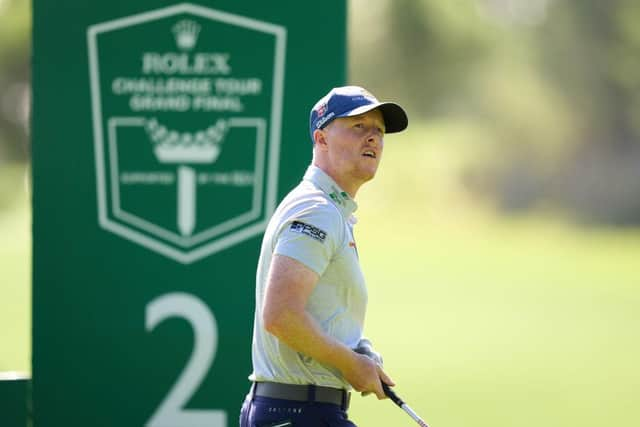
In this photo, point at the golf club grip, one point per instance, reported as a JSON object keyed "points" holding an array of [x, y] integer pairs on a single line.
{"points": [[392, 394]]}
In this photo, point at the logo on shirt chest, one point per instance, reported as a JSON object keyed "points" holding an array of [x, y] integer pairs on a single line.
{"points": [[353, 245]]}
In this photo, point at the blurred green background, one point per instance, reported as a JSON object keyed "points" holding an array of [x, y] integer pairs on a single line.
{"points": [[501, 237]]}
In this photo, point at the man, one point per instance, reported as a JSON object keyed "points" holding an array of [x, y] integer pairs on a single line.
{"points": [[310, 292]]}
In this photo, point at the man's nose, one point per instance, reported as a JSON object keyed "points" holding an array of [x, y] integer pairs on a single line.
{"points": [[374, 136]]}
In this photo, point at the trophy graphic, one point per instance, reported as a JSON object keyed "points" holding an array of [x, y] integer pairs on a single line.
{"points": [[186, 34], [183, 149]]}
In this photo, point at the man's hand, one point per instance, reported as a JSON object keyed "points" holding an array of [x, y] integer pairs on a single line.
{"points": [[365, 348], [366, 375]]}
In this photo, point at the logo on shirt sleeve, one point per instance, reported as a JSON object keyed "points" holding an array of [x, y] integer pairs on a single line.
{"points": [[309, 230]]}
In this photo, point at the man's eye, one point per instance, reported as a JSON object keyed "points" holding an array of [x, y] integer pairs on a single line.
{"points": [[359, 125]]}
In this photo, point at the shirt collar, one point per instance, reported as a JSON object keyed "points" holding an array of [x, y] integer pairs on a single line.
{"points": [[324, 182]]}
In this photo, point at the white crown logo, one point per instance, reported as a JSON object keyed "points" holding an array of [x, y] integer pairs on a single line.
{"points": [[175, 147], [186, 34]]}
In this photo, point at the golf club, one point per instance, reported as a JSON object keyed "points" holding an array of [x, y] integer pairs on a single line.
{"points": [[367, 351], [394, 397]]}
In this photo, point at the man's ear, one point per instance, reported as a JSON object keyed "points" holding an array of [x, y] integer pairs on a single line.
{"points": [[320, 139]]}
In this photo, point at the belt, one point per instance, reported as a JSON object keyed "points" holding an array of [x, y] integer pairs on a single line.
{"points": [[303, 393]]}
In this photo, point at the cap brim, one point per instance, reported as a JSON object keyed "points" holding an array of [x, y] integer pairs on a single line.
{"points": [[395, 118]]}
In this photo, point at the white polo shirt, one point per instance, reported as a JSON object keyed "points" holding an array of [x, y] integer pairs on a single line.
{"points": [[313, 225]]}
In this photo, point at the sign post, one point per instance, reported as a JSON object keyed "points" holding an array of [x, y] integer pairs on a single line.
{"points": [[164, 134]]}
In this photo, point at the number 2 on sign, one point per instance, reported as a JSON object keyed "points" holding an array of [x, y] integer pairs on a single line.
{"points": [[171, 412]]}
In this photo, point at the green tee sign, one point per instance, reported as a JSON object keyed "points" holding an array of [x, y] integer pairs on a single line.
{"points": [[164, 134]]}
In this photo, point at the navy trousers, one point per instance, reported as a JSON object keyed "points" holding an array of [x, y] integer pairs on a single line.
{"points": [[259, 411]]}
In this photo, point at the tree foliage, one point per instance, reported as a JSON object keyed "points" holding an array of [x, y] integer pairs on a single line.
{"points": [[555, 84], [14, 79]]}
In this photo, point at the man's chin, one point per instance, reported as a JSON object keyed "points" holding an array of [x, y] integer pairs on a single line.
{"points": [[368, 175]]}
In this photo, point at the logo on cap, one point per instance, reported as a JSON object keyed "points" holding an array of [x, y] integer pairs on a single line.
{"points": [[322, 109]]}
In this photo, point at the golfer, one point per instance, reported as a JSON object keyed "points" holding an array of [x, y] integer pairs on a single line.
{"points": [[311, 295]]}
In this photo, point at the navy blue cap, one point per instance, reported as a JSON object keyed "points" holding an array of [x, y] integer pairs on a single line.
{"points": [[349, 101]]}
